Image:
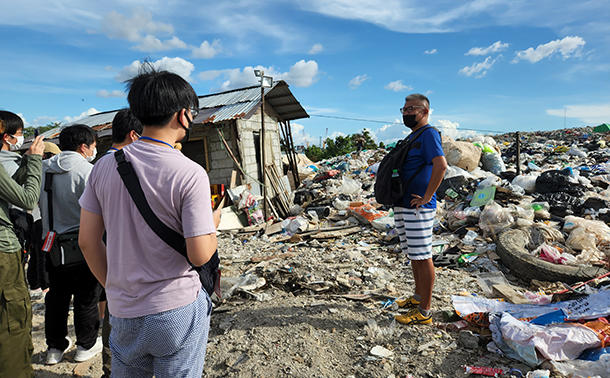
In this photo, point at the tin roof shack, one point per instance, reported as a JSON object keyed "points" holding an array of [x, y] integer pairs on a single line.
{"points": [[231, 136], [226, 136]]}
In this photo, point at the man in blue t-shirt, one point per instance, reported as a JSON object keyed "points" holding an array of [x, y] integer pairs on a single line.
{"points": [[424, 168]]}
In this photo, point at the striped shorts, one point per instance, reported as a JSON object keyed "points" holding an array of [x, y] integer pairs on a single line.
{"points": [[167, 344], [415, 231]]}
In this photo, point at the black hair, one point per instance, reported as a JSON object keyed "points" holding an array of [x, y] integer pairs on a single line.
{"points": [[154, 96], [12, 122], [124, 121], [73, 136]]}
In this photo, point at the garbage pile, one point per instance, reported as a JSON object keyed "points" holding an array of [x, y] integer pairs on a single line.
{"points": [[527, 233]]}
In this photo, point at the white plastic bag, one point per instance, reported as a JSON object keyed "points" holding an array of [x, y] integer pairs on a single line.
{"points": [[494, 218], [527, 182], [349, 186]]}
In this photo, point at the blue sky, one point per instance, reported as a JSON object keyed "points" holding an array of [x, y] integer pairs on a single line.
{"points": [[497, 65]]}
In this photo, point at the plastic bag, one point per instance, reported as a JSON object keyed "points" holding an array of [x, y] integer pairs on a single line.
{"points": [[490, 181], [595, 227], [367, 213], [575, 151], [349, 186], [383, 223], [580, 239], [494, 218], [527, 182], [295, 225], [492, 162]]}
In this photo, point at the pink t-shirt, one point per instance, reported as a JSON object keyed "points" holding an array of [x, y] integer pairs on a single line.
{"points": [[146, 276]]}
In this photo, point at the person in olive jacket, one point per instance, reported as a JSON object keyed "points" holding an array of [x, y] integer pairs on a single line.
{"points": [[21, 190]]}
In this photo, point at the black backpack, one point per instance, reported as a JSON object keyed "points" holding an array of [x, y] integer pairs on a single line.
{"points": [[390, 188]]}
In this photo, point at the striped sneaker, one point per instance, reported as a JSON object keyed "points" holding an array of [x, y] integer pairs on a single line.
{"points": [[414, 317], [410, 302]]}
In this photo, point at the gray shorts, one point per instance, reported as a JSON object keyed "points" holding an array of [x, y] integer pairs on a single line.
{"points": [[168, 344]]}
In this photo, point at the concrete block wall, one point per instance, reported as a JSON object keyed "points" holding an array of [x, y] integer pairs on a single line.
{"points": [[221, 164]]}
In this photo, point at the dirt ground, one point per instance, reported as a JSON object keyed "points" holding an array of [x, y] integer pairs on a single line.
{"points": [[314, 315]]}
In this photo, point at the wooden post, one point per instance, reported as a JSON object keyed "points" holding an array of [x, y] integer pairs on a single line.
{"points": [[518, 154], [264, 181]]}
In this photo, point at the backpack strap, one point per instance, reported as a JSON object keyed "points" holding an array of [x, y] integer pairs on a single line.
{"points": [[48, 187], [410, 142], [131, 181]]}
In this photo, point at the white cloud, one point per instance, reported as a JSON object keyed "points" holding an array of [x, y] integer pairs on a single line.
{"points": [[337, 134], [478, 70], [589, 114], [301, 74], [391, 132], [450, 128], [142, 30], [357, 81], [117, 26], [430, 52], [176, 65], [113, 93], [568, 47], [84, 114], [152, 43], [397, 86], [493, 48], [300, 137], [207, 50], [316, 49]]}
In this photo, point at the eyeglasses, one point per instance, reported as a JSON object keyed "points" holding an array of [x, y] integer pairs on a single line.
{"points": [[409, 109], [194, 111]]}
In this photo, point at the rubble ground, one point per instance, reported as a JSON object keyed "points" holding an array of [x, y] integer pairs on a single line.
{"points": [[312, 295]]}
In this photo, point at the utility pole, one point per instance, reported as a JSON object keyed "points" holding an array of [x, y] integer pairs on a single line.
{"points": [[266, 81]]}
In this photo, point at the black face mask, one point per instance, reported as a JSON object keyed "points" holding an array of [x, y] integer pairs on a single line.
{"points": [[409, 120], [187, 130]]}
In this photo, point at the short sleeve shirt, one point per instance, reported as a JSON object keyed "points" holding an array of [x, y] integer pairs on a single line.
{"points": [[146, 276], [426, 147]]}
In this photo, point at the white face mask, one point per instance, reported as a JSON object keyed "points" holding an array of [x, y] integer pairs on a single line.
{"points": [[92, 157], [16, 146]]}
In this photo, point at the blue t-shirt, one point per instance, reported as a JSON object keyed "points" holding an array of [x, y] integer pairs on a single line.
{"points": [[426, 147]]}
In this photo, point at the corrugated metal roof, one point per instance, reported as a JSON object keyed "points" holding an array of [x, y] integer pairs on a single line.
{"points": [[96, 119], [239, 103], [217, 107]]}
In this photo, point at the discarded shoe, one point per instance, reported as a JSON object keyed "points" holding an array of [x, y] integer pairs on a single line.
{"points": [[410, 302], [83, 354], [55, 355], [414, 317]]}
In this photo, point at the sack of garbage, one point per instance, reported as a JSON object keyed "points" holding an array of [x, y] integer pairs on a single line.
{"points": [[527, 182], [367, 213], [598, 231], [492, 162], [555, 181], [461, 154], [383, 223], [494, 219]]}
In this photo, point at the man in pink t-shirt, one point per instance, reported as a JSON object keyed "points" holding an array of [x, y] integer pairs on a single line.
{"points": [[158, 311]]}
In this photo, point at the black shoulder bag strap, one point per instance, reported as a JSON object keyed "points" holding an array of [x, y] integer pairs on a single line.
{"points": [[131, 181], [411, 142], [48, 187], [209, 274]]}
